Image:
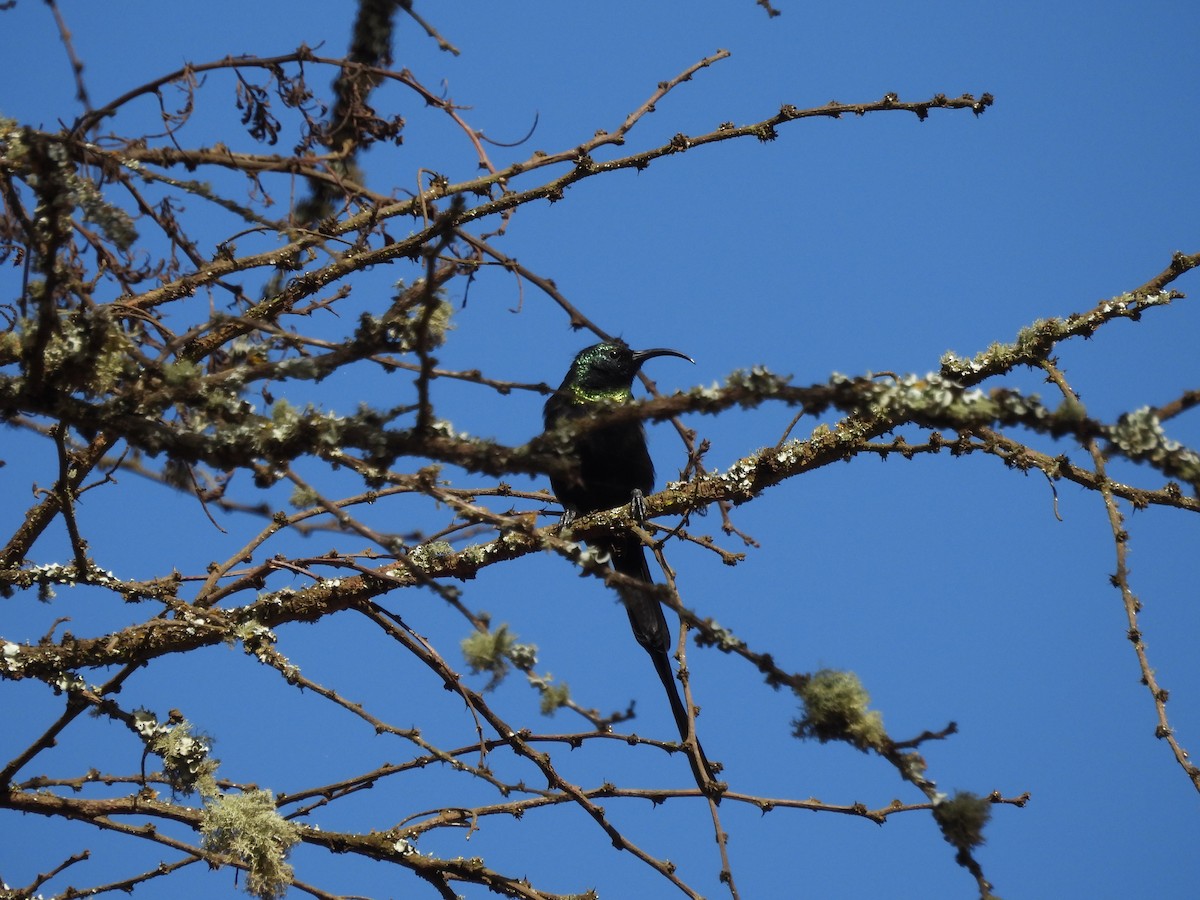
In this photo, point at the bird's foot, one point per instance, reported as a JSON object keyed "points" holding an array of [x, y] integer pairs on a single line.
{"points": [[637, 504]]}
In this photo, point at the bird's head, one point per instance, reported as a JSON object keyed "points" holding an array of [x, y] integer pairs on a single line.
{"points": [[611, 366]]}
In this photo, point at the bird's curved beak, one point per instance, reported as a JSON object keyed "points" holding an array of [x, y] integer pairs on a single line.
{"points": [[640, 356]]}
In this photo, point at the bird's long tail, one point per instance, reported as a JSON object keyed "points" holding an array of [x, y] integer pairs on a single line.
{"points": [[649, 626]]}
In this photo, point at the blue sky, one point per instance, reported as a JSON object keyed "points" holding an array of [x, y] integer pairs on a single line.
{"points": [[862, 244]]}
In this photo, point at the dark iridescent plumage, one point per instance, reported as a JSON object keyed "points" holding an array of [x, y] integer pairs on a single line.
{"points": [[610, 466]]}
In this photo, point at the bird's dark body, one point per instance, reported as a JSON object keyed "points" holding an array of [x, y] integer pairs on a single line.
{"points": [[608, 466], [610, 462]]}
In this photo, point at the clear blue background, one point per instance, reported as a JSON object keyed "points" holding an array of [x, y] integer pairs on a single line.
{"points": [[877, 243]]}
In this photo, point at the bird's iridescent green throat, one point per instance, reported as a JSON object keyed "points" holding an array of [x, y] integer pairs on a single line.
{"points": [[580, 394]]}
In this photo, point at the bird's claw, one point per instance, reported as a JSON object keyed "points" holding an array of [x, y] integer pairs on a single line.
{"points": [[637, 504]]}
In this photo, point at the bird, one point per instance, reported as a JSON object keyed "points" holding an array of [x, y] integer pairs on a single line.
{"points": [[608, 466]]}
